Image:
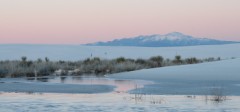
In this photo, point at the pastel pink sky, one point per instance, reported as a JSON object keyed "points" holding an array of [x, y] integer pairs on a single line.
{"points": [[84, 21]]}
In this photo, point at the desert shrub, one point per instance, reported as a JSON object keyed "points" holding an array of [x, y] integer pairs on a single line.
{"points": [[29, 63], [47, 59], [158, 60], [103, 69], [96, 59], [120, 60], [191, 60], [47, 69], [39, 60], [141, 61], [177, 60], [3, 72], [24, 59], [130, 60], [61, 62], [86, 61], [152, 64], [210, 59], [167, 62], [127, 66]]}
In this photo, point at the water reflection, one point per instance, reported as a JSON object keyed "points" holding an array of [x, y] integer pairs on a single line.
{"points": [[63, 79], [121, 85], [40, 79]]}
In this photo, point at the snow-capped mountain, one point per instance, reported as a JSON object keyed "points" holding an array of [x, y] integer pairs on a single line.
{"points": [[167, 40]]}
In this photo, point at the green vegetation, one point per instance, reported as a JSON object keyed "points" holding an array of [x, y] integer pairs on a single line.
{"points": [[97, 66]]}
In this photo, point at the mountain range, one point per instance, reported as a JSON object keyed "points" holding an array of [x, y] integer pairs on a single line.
{"points": [[167, 40]]}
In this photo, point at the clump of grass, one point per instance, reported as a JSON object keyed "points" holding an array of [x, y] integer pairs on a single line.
{"points": [[138, 96], [155, 100], [216, 95]]}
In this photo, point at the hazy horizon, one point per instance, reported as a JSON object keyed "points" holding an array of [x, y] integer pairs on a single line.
{"points": [[87, 21]]}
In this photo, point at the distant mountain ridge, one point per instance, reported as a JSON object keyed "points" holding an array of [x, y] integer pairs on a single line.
{"points": [[167, 40]]}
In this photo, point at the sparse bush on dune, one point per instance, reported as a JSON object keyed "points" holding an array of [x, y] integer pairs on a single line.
{"points": [[39, 60], [177, 60], [210, 59], [167, 62], [47, 59], [192, 60], [120, 60], [141, 61], [127, 66], [30, 68], [158, 60]]}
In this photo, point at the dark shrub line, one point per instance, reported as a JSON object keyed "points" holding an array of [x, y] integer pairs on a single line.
{"points": [[97, 66]]}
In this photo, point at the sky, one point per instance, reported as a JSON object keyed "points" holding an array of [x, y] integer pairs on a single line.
{"points": [[86, 21]]}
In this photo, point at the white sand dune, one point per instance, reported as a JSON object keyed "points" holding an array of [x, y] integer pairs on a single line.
{"points": [[195, 79], [77, 52], [226, 70]]}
